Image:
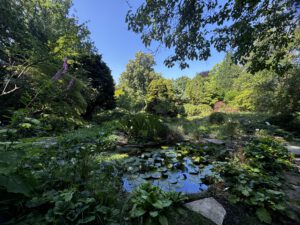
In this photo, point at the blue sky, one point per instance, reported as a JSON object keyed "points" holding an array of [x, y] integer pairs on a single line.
{"points": [[106, 21]]}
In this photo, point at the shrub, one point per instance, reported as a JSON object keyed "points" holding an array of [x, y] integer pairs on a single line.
{"points": [[217, 118], [197, 110], [231, 129], [57, 124], [24, 125], [160, 99], [144, 126], [106, 115], [289, 122]]}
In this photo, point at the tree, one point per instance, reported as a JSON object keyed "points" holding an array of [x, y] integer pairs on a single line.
{"points": [[160, 98], [179, 86], [192, 27], [100, 83], [139, 73], [35, 38], [38, 34], [199, 91], [224, 75]]}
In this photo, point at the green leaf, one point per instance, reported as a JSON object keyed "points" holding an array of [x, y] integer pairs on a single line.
{"points": [[137, 212], [68, 195], [86, 219], [263, 215], [233, 199], [163, 220], [153, 213], [15, 184], [160, 204], [245, 192]]}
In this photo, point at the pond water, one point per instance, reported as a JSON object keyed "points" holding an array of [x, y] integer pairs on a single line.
{"points": [[170, 169]]}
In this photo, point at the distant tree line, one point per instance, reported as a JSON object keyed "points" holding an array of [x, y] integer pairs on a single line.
{"points": [[227, 87]]}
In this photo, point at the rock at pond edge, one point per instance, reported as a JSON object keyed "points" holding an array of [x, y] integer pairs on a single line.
{"points": [[209, 208]]}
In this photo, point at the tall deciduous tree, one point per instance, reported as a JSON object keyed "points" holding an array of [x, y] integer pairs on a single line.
{"points": [[179, 86], [224, 74], [199, 91], [139, 73], [192, 27]]}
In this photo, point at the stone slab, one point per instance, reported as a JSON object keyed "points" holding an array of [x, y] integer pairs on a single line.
{"points": [[209, 208]]}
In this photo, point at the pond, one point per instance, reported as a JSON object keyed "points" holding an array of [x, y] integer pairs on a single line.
{"points": [[170, 169]]}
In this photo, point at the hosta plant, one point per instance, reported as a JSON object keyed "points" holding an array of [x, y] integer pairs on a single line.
{"points": [[151, 205]]}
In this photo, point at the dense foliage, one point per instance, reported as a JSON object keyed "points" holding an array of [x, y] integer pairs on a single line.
{"points": [[151, 205], [256, 179], [143, 126], [160, 98], [253, 29], [48, 63]]}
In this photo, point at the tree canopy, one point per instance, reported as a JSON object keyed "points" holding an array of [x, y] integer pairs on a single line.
{"points": [[193, 27], [139, 73], [48, 63]]}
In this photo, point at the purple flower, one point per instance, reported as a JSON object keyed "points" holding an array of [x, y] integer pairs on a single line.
{"points": [[62, 71]]}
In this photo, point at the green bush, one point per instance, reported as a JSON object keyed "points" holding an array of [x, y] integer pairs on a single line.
{"points": [[56, 124], [197, 110], [217, 118], [289, 122], [26, 126], [144, 126], [106, 115], [231, 129], [151, 205]]}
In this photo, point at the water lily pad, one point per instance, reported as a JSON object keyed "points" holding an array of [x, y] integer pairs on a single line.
{"points": [[171, 155], [197, 160], [179, 155], [158, 159], [156, 175], [163, 169], [164, 174], [146, 175], [193, 171], [150, 161], [147, 155], [170, 166], [130, 160], [157, 165], [173, 181]]}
